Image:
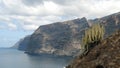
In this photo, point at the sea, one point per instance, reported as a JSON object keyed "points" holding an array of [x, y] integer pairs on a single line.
{"points": [[13, 58]]}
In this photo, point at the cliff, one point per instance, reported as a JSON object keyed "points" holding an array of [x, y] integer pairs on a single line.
{"points": [[22, 43], [61, 38], [104, 55], [110, 22], [64, 38]]}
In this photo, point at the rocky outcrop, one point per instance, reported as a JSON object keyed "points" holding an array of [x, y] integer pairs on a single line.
{"points": [[104, 55], [61, 38]]}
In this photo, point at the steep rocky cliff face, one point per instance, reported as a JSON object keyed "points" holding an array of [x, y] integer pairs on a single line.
{"points": [[61, 38], [111, 23], [22, 44], [64, 38], [104, 55]]}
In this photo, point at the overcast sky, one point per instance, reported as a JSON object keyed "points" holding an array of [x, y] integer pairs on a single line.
{"points": [[19, 18]]}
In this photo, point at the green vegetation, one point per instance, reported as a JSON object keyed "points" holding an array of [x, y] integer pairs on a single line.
{"points": [[92, 36]]}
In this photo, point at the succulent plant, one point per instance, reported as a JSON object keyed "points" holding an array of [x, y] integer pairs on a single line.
{"points": [[93, 35]]}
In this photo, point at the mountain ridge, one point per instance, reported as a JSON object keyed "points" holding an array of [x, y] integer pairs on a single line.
{"points": [[64, 38]]}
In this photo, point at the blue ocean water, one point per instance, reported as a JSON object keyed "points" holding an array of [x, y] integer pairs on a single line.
{"points": [[12, 58]]}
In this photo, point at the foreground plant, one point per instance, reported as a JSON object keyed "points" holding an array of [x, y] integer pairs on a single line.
{"points": [[92, 37]]}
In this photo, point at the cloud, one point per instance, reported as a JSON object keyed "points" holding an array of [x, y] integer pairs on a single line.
{"points": [[12, 26], [30, 27], [30, 14], [2, 27], [32, 2]]}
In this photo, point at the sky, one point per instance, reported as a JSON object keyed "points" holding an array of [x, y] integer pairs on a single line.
{"points": [[19, 18]]}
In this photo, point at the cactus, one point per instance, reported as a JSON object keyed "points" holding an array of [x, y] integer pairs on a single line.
{"points": [[92, 36]]}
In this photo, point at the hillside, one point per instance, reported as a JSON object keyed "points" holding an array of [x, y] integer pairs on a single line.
{"points": [[104, 55]]}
